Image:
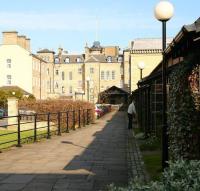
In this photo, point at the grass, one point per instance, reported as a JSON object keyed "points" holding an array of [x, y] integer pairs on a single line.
{"points": [[152, 161], [26, 136], [151, 152]]}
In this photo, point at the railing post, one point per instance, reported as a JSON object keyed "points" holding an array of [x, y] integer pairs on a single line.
{"points": [[74, 122], [88, 122], [59, 132], [83, 118], [67, 122], [35, 127], [79, 118], [48, 126], [18, 131]]}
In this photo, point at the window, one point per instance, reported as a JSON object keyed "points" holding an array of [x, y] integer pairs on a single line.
{"points": [[57, 60], [47, 71], [78, 60], [9, 77], [8, 63], [102, 75], [63, 75], [80, 70], [107, 75], [109, 59], [63, 89], [70, 89], [67, 60], [70, 75], [113, 75], [57, 72], [91, 70]]}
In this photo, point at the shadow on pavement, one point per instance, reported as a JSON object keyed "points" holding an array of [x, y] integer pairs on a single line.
{"points": [[102, 162]]}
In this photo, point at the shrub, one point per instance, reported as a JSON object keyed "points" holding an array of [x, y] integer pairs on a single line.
{"points": [[180, 176], [55, 106]]}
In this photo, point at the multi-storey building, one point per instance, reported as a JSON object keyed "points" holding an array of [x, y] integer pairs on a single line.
{"points": [[147, 51], [83, 76], [75, 76], [19, 67]]}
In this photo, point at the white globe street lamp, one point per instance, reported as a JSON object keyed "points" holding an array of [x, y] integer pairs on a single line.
{"points": [[141, 66], [164, 10]]}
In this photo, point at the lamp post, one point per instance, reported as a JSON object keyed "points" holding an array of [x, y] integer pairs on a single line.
{"points": [[141, 66], [88, 87], [163, 12]]}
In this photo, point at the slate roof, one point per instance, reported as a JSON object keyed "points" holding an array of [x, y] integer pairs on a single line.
{"points": [[148, 44], [101, 58], [115, 90], [193, 27], [72, 58], [45, 51]]}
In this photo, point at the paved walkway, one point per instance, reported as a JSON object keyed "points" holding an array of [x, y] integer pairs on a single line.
{"points": [[84, 160]]}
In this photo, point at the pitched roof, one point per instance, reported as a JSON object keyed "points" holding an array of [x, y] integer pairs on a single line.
{"points": [[72, 58], [45, 51], [101, 58], [148, 43], [114, 90], [193, 27]]}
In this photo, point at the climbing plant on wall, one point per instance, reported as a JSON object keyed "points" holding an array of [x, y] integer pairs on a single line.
{"points": [[183, 116]]}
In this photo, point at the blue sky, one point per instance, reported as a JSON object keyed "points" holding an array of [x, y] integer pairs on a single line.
{"points": [[72, 23]]}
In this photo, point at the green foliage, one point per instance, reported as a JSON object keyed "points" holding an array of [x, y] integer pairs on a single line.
{"points": [[150, 144], [5, 94], [183, 117], [180, 176]]}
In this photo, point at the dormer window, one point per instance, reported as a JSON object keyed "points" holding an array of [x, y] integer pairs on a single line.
{"points": [[78, 60], [57, 60], [67, 60], [109, 59]]}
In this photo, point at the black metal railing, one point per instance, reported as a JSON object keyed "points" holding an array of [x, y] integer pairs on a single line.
{"points": [[23, 128]]}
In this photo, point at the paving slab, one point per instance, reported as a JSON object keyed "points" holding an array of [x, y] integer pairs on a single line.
{"points": [[87, 160]]}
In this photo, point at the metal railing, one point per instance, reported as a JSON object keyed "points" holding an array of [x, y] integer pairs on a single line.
{"points": [[23, 128]]}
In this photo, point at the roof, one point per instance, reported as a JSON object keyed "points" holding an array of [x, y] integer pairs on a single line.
{"points": [[148, 43], [115, 90], [45, 51], [72, 58], [14, 88], [193, 27], [38, 58], [101, 58]]}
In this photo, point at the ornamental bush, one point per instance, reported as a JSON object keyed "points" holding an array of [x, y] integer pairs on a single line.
{"points": [[181, 175]]}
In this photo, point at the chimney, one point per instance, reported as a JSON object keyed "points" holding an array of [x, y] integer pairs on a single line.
{"points": [[22, 41], [10, 37], [28, 45]]}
